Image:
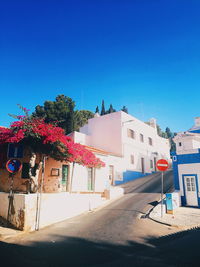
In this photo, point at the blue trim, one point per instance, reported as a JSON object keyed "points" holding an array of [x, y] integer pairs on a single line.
{"points": [[183, 200], [188, 158], [175, 171], [195, 131], [184, 191], [130, 176]]}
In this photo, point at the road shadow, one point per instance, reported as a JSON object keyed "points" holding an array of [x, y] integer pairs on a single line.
{"points": [[153, 203], [179, 249]]}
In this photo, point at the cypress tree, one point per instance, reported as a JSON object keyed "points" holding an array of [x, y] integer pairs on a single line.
{"points": [[103, 111], [111, 109], [97, 110], [125, 109]]}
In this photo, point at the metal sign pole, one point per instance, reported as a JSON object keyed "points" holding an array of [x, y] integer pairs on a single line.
{"points": [[40, 198], [10, 199], [162, 194]]}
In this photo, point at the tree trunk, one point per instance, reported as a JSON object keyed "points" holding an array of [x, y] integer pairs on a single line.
{"points": [[34, 178]]}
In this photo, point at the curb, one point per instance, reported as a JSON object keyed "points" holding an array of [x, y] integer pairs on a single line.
{"points": [[181, 227]]}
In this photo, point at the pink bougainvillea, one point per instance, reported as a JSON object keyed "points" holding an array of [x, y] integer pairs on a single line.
{"points": [[48, 139]]}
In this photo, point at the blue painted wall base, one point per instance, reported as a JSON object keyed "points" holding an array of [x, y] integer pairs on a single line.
{"points": [[130, 176]]}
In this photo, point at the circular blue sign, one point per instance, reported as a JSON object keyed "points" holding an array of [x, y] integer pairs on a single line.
{"points": [[13, 165]]}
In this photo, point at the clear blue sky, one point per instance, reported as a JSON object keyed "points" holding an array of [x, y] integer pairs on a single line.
{"points": [[144, 54]]}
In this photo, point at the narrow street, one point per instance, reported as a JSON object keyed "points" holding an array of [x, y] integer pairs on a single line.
{"points": [[114, 235]]}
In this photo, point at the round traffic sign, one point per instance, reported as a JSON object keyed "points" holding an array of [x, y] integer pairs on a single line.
{"points": [[13, 165], [162, 164]]}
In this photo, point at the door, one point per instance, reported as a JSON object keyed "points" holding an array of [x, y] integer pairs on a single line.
{"points": [[142, 164], [65, 173], [155, 164], [190, 188], [111, 174]]}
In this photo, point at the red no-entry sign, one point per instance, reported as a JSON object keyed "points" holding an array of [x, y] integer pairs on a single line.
{"points": [[162, 165]]}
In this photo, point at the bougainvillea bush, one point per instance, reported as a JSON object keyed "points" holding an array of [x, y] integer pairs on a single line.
{"points": [[47, 139]]}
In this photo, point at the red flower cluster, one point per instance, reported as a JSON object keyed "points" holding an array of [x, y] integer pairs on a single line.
{"points": [[49, 134], [83, 156]]}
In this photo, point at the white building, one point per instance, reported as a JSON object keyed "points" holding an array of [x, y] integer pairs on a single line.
{"points": [[132, 146], [186, 165]]}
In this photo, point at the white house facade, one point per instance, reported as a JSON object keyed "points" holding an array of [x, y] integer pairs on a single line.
{"points": [[186, 165], [132, 146]]}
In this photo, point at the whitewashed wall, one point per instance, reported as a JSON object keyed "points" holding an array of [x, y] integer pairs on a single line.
{"points": [[109, 132], [184, 169]]}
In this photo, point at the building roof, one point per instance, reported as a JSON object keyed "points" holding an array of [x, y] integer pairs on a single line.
{"points": [[100, 151], [194, 129]]}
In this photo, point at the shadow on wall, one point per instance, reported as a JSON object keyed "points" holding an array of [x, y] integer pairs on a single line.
{"points": [[171, 250]]}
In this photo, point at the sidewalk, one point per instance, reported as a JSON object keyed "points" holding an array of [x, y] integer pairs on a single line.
{"points": [[183, 217], [6, 232]]}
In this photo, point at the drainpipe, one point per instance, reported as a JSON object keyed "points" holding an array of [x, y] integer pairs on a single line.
{"points": [[10, 199], [39, 198], [94, 181], [71, 182]]}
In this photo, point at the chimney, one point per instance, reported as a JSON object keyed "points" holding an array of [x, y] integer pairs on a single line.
{"points": [[153, 123], [197, 121]]}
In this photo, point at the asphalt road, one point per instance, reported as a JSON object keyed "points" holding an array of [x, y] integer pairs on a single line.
{"points": [[111, 236]]}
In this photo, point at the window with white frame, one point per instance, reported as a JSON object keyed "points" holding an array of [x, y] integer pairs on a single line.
{"points": [[132, 159], [150, 141], [131, 133], [142, 138]]}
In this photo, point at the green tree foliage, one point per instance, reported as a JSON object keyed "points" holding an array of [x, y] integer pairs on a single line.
{"points": [[111, 109], [81, 118], [61, 111], [168, 135], [125, 109], [103, 111], [97, 110]]}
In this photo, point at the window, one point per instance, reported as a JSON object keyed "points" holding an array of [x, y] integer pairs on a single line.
{"points": [[151, 164], [131, 133], [90, 179], [141, 138], [132, 159], [15, 151], [190, 183], [25, 170], [111, 174], [65, 173], [150, 141], [180, 144]]}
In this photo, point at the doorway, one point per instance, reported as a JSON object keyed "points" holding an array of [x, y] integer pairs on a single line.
{"points": [[65, 175], [142, 165], [190, 189], [111, 174]]}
